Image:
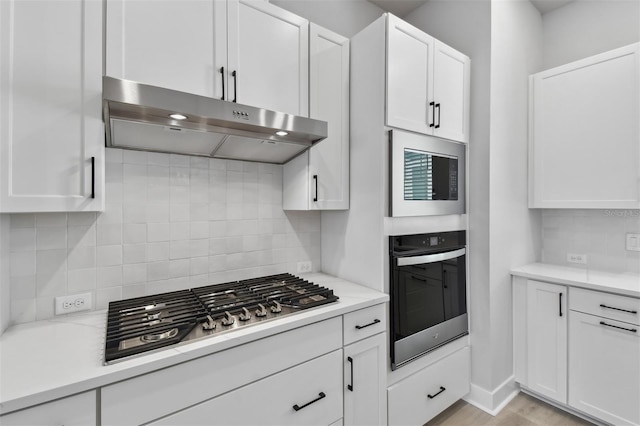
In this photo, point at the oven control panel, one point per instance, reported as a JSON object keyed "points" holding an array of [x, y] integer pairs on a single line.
{"points": [[426, 242]]}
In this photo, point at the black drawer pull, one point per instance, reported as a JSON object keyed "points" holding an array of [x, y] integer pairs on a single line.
{"points": [[442, 389], [375, 321], [433, 114], [350, 387], [315, 179], [234, 74], [438, 125], [633, 330], [618, 309], [222, 72], [300, 407], [560, 304]]}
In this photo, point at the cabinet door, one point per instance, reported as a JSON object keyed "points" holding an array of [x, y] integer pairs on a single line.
{"points": [[451, 75], [585, 139], [319, 178], [269, 54], [77, 410], [50, 106], [547, 339], [604, 377], [308, 394], [365, 377], [410, 55]]}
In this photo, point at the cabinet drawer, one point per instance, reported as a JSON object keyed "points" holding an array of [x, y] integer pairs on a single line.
{"points": [[420, 397], [151, 396], [308, 394], [364, 323], [620, 308], [77, 410]]}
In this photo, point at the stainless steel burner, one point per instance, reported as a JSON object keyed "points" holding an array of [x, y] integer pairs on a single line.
{"points": [[160, 336]]}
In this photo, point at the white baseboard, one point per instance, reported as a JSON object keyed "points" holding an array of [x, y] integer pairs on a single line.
{"points": [[493, 401]]}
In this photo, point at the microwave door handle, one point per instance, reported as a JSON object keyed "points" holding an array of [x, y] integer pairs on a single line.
{"points": [[431, 258]]}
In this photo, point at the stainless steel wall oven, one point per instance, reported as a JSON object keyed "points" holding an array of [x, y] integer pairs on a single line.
{"points": [[428, 293]]}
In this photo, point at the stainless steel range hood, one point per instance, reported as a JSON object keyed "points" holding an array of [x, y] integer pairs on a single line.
{"points": [[142, 117]]}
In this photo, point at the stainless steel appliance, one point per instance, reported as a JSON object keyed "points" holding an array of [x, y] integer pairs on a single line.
{"points": [[428, 293], [427, 175], [150, 118], [143, 324]]}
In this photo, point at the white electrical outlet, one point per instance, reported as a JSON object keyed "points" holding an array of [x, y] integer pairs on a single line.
{"points": [[577, 258], [304, 267], [73, 303], [633, 242]]}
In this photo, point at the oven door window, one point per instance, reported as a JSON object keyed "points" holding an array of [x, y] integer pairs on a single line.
{"points": [[429, 176]]}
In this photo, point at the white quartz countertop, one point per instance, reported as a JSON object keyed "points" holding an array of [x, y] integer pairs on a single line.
{"points": [[626, 284], [46, 360]]}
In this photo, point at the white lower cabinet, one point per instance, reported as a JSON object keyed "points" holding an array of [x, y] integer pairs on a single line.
{"points": [[365, 377], [76, 410], [308, 394], [420, 397], [604, 373]]}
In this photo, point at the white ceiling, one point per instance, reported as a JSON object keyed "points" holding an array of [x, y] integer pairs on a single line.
{"points": [[402, 8]]}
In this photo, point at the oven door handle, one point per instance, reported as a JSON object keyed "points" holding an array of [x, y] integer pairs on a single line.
{"points": [[431, 258]]}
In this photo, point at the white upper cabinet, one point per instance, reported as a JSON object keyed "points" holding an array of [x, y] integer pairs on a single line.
{"points": [[584, 142], [51, 131], [319, 178], [428, 83], [268, 57], [247, 51]]}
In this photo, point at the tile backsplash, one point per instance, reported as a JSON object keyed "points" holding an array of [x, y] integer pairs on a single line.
{"points": [[171, 222], [600, 234]]}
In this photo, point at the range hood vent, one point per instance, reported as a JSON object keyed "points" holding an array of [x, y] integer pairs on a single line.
{"points": [[149, 118]]}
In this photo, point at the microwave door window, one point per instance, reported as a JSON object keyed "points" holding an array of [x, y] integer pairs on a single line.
{"points": [[420, 303], [429, 177]]}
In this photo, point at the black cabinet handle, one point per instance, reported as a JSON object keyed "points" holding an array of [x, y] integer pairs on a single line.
{"points": [[433, 114], [315, 178], [93, 177], [442, 389], [350, 387], [438, 125], [300, 407], [222, 72], [375, 321], [235, 85], [633, 330], [560, 303], [418, 278], [618, 309]]}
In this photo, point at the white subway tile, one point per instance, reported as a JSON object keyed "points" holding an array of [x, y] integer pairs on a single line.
{"points": [[135, 157], [234, 165], [158, 251], [250, 243], [179, 212], [199, 162], [199, 177], [22, 220], [134, 193], [235, 261], [109, 276], [134, 253], [22, 263], [51, 284], [23, 311], [113, 155], [81, 280], [198, 248], [23, 287], [234, 244], [250, 211], [134, 233], [217, 229], [112, 214], [217, 164], [109, 234], [51, 220], [199, 230], [158, 194], [198, 195], [217, 212], [179, 176], [109, 255], [51, 238], [159, 159], [49, 261], [114, 193], [179, 195], [106, 295], [79, 236], [134, 174], [79, 258], [159, 176], [234, 212], [113, 173], [199, 280], [180, 230], [199, 212], [180, 249], [22, 239], [180, 160], [159, 232], [81, 219], [131, 291], [235, 228], [179, 268], [45, 308], [158, 271], [217, 246], [135, 273], [217, 263], [135, 213]]}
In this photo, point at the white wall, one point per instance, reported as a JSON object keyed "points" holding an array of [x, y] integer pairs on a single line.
{"points": [[466, 26], [516, 41], [345, 17], [171, 222], [578, 30], [587, 27], [5, 285]]}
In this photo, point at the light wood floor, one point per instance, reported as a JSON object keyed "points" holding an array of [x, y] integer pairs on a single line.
{"points": [[523, 410]]}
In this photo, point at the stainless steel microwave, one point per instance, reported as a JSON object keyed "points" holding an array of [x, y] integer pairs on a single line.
{"points": [[427, 175]]}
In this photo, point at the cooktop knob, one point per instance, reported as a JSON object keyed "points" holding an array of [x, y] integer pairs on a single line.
{"points": [[245, 315], [209, 324], [228, 319], [276, 308], [261, 311]]}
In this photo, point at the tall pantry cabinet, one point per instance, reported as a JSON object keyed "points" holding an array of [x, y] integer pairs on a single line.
{"points": [[51, 131]]}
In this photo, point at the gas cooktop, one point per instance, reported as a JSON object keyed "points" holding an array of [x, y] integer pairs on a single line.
{"points": [[143, 324]]}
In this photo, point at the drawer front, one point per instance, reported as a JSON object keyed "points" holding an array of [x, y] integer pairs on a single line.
{"points": [[151, 396], [308, 394], [420, 397], [620, 308], [79, 410], [364, 323]]}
